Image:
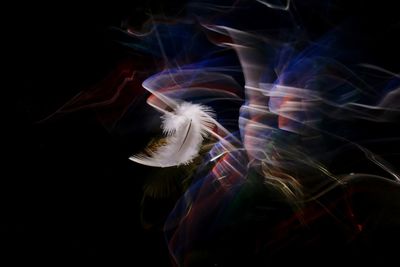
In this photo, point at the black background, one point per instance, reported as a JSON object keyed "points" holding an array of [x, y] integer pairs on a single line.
{"points": [[71, 195]]}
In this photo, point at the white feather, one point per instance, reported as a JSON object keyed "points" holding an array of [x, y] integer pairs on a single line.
{"points": [[185, 129]]}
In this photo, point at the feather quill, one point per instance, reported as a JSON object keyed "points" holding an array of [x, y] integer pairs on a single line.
{"points": [[185, 129]]}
